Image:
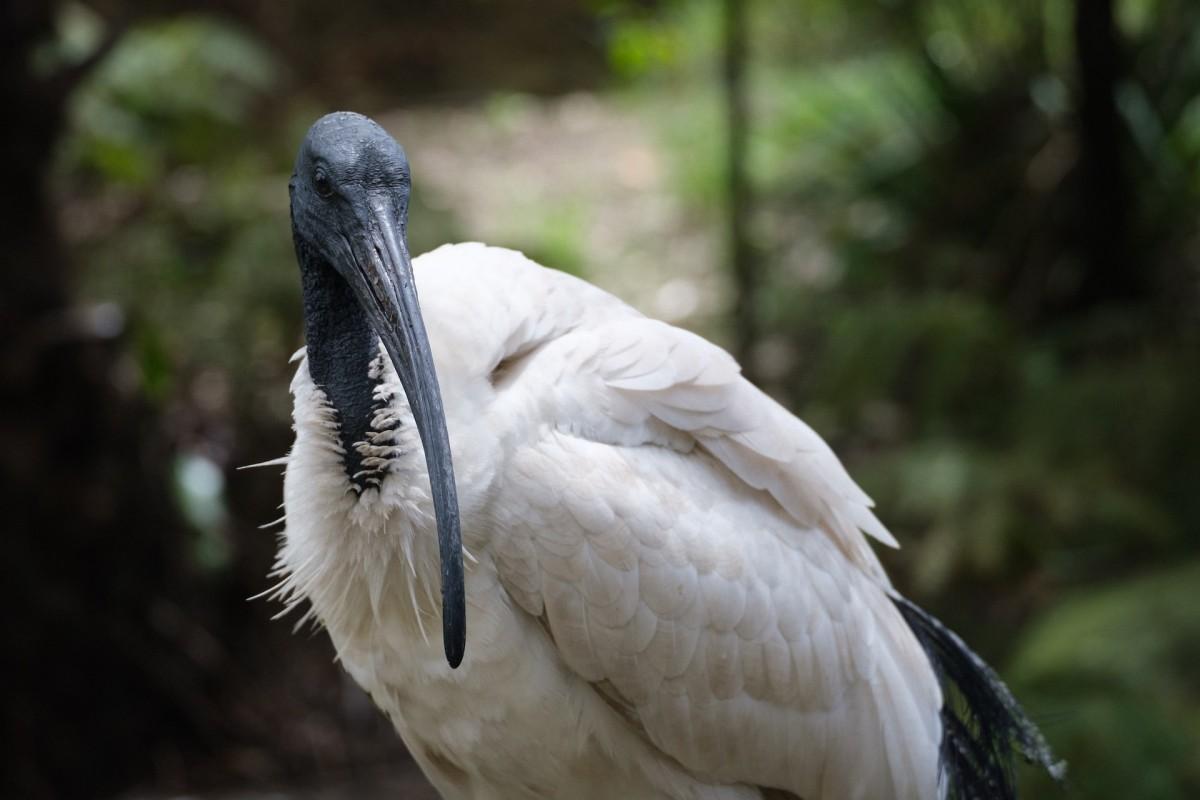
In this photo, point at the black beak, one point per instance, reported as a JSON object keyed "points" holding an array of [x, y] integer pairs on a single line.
{"points": [[382, 278]]}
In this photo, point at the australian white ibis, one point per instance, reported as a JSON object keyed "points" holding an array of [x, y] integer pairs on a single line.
{"points": [[669, 591]]}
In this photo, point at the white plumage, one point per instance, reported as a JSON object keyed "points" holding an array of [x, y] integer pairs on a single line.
{"points": [[670, 593]]}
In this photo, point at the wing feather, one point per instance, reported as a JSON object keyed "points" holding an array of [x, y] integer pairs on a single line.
{"points": [[746, 648], [634, 381]]}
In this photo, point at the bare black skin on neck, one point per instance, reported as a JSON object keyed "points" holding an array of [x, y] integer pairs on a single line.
{"points": [[341, 347]]}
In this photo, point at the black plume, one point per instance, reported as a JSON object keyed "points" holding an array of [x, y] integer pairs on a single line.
{"points": [[982, 723]]}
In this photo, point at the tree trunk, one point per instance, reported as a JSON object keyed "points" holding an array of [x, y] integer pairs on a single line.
{"points": [[1110, 275], [742, 256]]}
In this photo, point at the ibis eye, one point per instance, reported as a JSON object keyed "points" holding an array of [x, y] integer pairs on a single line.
{"points": [[322, 184]]}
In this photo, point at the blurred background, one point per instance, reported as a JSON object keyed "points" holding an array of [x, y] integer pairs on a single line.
{"points": [[961, 238]]}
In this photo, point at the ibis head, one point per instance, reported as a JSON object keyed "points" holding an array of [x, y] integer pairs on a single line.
{"points": [[349, 201]]}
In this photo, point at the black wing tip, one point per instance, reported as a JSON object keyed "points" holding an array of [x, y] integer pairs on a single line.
{"points": [[983, 724]]}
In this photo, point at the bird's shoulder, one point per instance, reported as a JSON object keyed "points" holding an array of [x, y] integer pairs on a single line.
{"points": [[631, 381], [503, 302]]}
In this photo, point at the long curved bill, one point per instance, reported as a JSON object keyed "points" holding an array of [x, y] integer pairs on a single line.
{"points": [[383, 281]]}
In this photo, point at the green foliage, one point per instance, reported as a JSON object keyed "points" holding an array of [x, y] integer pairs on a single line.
{"points": [[641, 46], [1114, 667], [178, 91], [678, 36]]}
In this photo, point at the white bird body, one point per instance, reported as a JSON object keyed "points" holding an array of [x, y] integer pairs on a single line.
{"points": [[670, 591]]}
